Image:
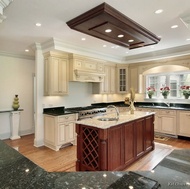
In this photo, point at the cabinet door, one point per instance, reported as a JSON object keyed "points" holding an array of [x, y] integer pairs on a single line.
{"points": [[133, 78], [59, 76], [184, 124], [129, 143], [139, 130], [115, 149], [149, 133], [122, 74], [62, 134], [70, 131], [112, 80], [168, 124]]}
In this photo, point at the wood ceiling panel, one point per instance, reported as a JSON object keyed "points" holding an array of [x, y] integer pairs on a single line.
{"points": [[95, 21]]}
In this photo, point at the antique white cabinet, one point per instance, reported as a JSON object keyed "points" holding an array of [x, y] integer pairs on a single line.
{"points": [[183, 123], [55, 74], [85, 69], [108, 86], [59, 130], [122, 79], [167, 121]]}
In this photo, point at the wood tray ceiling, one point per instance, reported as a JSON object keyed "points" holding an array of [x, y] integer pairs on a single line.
{"points": [[95, 21]]}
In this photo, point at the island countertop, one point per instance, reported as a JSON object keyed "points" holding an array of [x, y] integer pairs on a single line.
{"points": [[123, 118]]}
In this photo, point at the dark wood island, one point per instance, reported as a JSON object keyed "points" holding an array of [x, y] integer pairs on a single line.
{"points": [[114, 145]]}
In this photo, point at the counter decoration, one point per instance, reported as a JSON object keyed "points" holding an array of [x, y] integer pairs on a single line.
{"points": [[16, 105], [165, 91], [150, 91], [130, 101], [185, 91]]}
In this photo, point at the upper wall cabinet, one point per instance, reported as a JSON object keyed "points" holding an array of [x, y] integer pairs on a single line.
{"points": [[85, 69], [108, 86], [133, 78], [55, 74], [122, 78]]}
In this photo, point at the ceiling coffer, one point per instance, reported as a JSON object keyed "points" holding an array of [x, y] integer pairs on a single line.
{"points": [[105, 22]]}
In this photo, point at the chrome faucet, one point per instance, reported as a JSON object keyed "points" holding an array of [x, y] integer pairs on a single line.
{"points": [[167, 103], [117, 111]]}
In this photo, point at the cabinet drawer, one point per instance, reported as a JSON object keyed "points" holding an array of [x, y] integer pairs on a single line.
{"points": [[70, 117], [168, 112]]}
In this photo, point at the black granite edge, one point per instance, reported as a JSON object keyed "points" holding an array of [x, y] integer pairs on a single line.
{"points": [[158, 105], [57, 111], [5, 111]]}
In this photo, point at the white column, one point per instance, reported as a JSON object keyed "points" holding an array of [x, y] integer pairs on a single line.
{"points": [[39, 72], [15, 123]]}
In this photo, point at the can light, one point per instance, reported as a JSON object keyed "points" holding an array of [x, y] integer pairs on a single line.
{"points": [[38, 24], [108, 30], [120, 36], [174, 26]]}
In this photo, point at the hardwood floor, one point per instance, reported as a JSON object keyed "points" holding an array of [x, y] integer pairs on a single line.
{"points": [[65, 158]]}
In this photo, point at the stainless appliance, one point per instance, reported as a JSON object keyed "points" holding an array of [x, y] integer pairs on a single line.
{"points": [[88, 111]]}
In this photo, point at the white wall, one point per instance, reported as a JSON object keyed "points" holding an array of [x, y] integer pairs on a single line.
{"points": [[16, 77]]}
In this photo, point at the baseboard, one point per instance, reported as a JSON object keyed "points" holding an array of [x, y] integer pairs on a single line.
{"points": [[21, 133]]}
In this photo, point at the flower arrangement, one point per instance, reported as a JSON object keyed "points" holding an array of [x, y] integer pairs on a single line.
{"points": [[150, 90], [165, 91], [185, 90]]}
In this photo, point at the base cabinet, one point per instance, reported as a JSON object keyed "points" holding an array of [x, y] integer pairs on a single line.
{"points": [[115, 148], [183, 123], [59, 130], [165, 120]]}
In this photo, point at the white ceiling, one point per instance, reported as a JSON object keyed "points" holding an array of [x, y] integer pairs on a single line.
{"points": [[18, 31]]}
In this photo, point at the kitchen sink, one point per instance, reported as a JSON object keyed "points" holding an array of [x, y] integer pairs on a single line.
{"points": [[107, 119]]}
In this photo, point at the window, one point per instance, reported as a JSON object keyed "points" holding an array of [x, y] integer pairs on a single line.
{"points": [[173, 80]]}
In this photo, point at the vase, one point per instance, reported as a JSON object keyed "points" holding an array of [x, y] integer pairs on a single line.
{"points": [[186, 96], [165, 96], [16, 105], [149, 95], [132, 107]]}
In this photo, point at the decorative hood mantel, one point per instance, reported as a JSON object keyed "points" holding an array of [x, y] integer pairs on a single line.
{"points": [[107, 23]]}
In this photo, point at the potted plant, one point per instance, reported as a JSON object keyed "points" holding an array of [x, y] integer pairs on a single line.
{"points": [[185, 91], [165, 91], [150, 91]]}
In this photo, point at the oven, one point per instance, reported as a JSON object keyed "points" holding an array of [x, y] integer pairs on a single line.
{"points": [[88, 111]]}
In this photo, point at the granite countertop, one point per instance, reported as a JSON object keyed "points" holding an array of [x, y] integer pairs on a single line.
{"points": [[18, 172], [123, 118]]}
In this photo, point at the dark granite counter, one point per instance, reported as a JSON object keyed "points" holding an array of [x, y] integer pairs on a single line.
{"points": [[18, 172], [5, 111]]}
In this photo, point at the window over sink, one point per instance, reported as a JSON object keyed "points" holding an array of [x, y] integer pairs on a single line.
{"points": [[173, 80]]}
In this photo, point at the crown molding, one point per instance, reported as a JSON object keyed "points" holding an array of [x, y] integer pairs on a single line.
{"points": [[16, 55], [3, 4], [57, 44]]}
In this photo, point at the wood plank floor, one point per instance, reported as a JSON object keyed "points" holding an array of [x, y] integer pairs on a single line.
{"points": [[65, 158]]}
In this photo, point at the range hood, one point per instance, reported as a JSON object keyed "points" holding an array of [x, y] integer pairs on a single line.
{"points": [[107, 23], [85, 69]]}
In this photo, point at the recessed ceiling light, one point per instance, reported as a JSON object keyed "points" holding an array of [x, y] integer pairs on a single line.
{"points": [[174, 26], [38, 24], [158, 11], [127, 52], [188, 39], [26, 50], [108, 30], [104, 45], [120, 36], [83, 39], [130, 40]]}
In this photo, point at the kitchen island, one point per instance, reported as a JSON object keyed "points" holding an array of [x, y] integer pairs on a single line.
{"points": [[114, 145]]}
